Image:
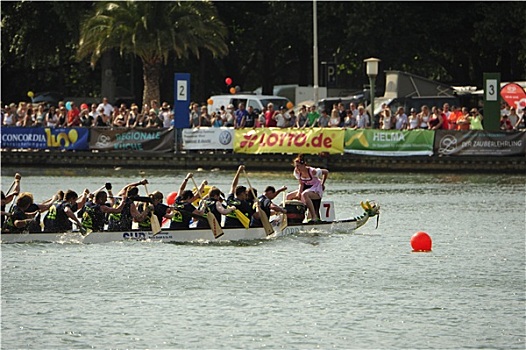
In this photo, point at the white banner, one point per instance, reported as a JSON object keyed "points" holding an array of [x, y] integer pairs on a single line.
{"points": [[205, 138]]}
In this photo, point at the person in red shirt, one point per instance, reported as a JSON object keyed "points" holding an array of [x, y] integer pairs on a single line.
{"points": [[73, 116], [270, 122], [453, 117]]}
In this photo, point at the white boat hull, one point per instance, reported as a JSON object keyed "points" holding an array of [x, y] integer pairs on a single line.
{"points": [[184, 235]]}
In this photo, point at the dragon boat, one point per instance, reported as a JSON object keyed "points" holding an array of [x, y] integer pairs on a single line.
{"points": [[295, 225]]}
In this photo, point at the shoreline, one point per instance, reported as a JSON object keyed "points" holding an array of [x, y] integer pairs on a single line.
{"points": [[281, 162]]}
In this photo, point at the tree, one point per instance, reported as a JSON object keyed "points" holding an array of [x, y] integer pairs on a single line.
{"points": [[152, 30]]}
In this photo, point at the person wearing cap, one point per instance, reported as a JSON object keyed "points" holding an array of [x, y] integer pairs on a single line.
{"points": [[279, 117], [73, 116], [475, 120]]}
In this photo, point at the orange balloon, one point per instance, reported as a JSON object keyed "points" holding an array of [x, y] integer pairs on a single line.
{"points": [[232, 90], [210, 101], [290, 105], [421, 242], [170, 199]]}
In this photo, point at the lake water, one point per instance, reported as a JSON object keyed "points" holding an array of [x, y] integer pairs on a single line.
{"points": [[365, 290]]}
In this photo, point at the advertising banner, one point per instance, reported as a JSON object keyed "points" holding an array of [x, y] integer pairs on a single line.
{"points": [[206, 138], [278, 140], [45, 138], [139, 139], [480, 143], [378, 142], [514, 95]]}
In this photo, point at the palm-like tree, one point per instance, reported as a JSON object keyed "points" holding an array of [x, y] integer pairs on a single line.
{"points": [[152, 30]]}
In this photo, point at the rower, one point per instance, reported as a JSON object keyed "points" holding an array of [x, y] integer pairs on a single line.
{"points": [[20, 220], [238, 198], [215, 207], [157, 207], [8, 197], [60, 213], [265, 204], [94, 217], [183, 207], [124, 220]]}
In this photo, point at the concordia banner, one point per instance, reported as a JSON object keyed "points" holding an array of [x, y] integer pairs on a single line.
{"points": [[289, 140], [140, 139], [45, 138], [480, 143], [206, 138], [378, 142]]}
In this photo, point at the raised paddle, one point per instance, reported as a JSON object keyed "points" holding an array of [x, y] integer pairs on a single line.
{"points": [[154, 220], [284, 220], [216, 228], [262, 215]]}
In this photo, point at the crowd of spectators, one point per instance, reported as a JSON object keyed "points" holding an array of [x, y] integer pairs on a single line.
{"points": [[68, 114]]}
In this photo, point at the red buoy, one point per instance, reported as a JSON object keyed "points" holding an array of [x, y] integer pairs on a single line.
{"points": [[421, 242]]}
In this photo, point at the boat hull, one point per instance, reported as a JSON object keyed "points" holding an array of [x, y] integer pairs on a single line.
{"points": [[183, 235]]}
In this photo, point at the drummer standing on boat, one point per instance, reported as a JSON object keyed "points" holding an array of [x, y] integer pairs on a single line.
{"points": [[311, 185]]}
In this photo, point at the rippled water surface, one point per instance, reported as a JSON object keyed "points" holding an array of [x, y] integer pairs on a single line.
{"points": [[365, 290]]}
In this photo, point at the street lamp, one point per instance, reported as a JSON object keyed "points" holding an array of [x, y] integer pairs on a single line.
{"points": [[372, 72]]}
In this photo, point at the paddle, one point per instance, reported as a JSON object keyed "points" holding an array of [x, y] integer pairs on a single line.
{"points": [[154, 220], [262, 215], [284, 220], [212, 221], [242, 218]]}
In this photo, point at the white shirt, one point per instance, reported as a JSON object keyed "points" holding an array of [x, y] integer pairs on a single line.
{"points": [[108, 109]]}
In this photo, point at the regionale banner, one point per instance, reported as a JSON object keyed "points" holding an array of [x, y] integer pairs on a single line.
{"points": [[206, 138], [138, 139], [289, 140], [377, 142], [45, 138], [480, 143]]}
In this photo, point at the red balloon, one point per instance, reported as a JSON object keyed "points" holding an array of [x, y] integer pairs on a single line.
{"points": [[228, 81], [170, 199], [421, 242]]}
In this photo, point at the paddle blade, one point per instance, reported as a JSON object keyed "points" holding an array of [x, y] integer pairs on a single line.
{"points": [[266, 224], [214, 225], [242, 218], [284, 222], [156, 226]]}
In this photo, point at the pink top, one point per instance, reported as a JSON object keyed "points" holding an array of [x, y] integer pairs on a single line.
{"points": [[313, 182]]}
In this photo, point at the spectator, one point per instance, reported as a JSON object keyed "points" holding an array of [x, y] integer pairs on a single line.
{"points": [[29, 118], [154, 104], [40, 116], [106, 106], [280, 118], [413, 120], [350, 120], [505, 123], [353, 109], [455, 114], [21, 113], [293, 119], [504, 109], [424, 116], [401, 119], [229, 116], [312, 116], [120, 119], [270, 120], [51, 118], [154, 121], [205, 118], [446, 112], [86, 120], [386, 119], [133, 116], [251, 117], [302, 119], [240, 116], [323, 120], [261, 121], [102, 119], [463, 121], [10, 116], [513, 117], [194, 116], [362, 121], [342, 113], [142, 120], [166, 114], [436, 120], [93, 111], [216, 120], [335, 119], [73, 116], [62, 117], [475, 120]]}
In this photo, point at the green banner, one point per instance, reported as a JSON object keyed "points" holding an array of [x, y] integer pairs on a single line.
{"points": [[378, 142]]}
